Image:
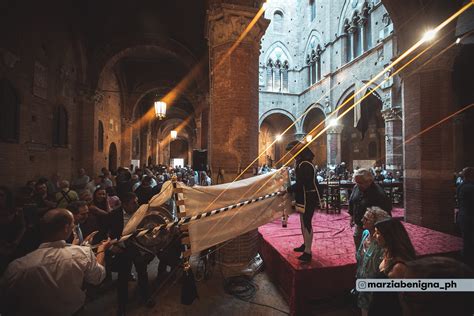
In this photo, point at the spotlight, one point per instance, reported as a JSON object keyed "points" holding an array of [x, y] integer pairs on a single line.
{"points": [[174, 134], [279, 138], [309, 138], [333, 122], [265, 5], [429, 36], [458, 40]]}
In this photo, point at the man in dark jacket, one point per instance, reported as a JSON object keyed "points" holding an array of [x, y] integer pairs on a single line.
{"points": [[366, 193], [306, 194], [465, 218], [128, 254]]}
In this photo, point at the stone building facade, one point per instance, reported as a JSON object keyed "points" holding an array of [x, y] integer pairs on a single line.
{"points": [[313, 57]]}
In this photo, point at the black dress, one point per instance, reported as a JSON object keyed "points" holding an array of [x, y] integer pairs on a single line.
{"points": [[385, 303]]}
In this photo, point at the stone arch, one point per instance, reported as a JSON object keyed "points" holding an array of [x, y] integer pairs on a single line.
{"points": [[318, 40], [282, 46], [167, 47], [272, 148], [348, 12], [273, 111]]}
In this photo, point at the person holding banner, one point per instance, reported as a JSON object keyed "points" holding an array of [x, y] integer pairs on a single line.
{"points": [[306, 194]]}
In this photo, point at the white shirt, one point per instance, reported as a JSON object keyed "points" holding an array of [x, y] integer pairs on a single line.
{"points": [[49, 280]]}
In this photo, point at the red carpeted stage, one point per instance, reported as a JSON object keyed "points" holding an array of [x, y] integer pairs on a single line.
{"points": [[332, 269]]}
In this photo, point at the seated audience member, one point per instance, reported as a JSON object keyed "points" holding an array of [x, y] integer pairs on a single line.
{"points": [[97, 218], [128, 254], [370, 253], [392, 236], [43, 200], [94, 184], [80, 212], [437, 303], [465, 219], [65, 195], [49, 280], [145, 191], [366, 193], [79, 184]]}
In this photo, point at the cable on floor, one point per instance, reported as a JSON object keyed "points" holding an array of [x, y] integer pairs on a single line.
{"points": [[243, 288]]}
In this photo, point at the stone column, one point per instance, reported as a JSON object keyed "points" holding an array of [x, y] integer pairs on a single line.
{"points": [[429, 157], [233, 126], [393, 139], [126, 146], [334, 145], [233, 114]]}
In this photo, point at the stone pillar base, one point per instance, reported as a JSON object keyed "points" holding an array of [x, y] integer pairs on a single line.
{"points": [[240, 255]]}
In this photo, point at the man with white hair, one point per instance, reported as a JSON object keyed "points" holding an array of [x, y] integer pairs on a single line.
{"points": [[366, 193], [65, 195]]}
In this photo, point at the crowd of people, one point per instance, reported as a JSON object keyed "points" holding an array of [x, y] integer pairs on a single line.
{"points": [[44, 226]]}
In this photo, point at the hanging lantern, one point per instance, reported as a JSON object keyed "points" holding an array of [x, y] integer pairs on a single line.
{"points": [[160, 109]]}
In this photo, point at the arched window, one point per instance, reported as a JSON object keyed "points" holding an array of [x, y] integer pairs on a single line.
{"points": [[284, 70], [314, 66], [357, 38], [277, 76], [366, 27], [312, 5], [60, 127], [318, 63], [348, 41], [270, 74], [278, 22], [372, 150], [9, 112], [100, 136]]}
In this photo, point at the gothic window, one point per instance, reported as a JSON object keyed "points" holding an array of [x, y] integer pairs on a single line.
{"points": [[277, 76], [312, 5], [270, 74], [285, 76], [314, 66], [101, 137], [348, 41], [308, 62], [357, 38], [60, 127], [367, 28], [278, 22], [9, 114]]}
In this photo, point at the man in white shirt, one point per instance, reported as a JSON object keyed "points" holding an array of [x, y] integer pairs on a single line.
{"points": [[49, 280]]}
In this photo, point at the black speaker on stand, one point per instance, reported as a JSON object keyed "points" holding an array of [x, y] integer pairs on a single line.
{"points": [[199, 159]]}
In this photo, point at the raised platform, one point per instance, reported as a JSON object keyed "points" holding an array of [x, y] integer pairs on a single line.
{"points": [[332, 269]]}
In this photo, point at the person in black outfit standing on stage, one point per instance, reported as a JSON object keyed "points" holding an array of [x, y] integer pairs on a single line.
{"points": [[306, 194]]}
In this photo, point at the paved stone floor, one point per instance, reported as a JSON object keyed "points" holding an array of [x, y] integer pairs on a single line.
{"points": [[213, 299]]}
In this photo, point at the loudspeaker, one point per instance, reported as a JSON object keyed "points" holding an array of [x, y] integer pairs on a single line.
{"points": [[199, 160]]}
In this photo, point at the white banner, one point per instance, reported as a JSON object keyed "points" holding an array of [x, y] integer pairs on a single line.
{"points": [[212, 230]]}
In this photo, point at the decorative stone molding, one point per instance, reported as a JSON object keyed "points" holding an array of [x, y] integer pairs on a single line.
{"points": [[392, 114], [227, 22], [335, 129]]}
